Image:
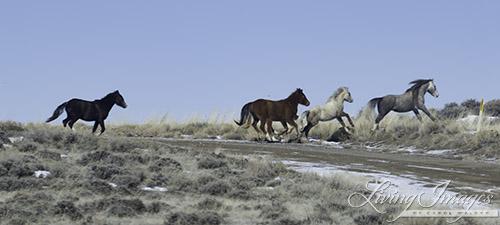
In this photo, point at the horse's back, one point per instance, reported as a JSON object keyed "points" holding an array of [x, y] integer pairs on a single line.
{"points": [[387, 101], [78, 101], [398, 103], [81, 108], [271, 110], [261, 106]]}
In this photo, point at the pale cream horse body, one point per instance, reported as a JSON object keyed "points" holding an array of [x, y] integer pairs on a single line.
{"points": [[332, 109]]}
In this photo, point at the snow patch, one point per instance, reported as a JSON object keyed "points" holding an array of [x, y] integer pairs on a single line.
{"points": [[378, 160], [146, 188], [266, 188], [473, 119], [331, 143], [41, 174], [16, 139], [441, 152], [410, 149], [435, 168]]}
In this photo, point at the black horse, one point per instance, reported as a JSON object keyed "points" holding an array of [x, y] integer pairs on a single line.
{"points": [[97, 110]]}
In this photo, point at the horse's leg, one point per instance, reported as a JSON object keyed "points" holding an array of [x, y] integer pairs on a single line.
{"points": [[348, 118], [424, 109], [295, 126], [270, 130], [254, 124], [71, 122], [65, 121], [284, 126], [263, 128], [308, 128], [103, 128], [339, 118], [381, 115], [341, 121], [415, 110], [95, 126]]}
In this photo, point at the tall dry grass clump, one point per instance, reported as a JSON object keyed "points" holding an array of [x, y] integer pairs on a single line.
{"points": [[216, 126]]}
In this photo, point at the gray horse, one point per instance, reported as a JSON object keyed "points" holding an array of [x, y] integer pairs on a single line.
{"points": [[411, 100]]}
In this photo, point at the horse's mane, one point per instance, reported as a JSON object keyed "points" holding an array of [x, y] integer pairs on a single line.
{"points": [[417, 84], [109, 96], [336, 94]]}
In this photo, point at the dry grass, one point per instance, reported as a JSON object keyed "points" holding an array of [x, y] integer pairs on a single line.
{"points": [[201, 187]]}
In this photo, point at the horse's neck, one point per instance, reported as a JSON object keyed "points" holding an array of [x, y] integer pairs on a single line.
{"points": [[418, 96], [337, 102], [422, 90], [106, 103], [293, 102]]}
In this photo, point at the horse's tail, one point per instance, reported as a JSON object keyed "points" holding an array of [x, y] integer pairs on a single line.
{"points": [[368, 112], [303, 116], [57, 112], [245, 114]]}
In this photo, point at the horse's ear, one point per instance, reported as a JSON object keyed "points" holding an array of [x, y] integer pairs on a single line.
{"points": [[298, 89], [117, 92]]}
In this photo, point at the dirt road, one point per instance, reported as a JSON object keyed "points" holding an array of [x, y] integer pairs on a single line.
{"points": [[465, 176]]}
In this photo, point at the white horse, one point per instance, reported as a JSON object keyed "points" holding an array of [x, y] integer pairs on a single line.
{"points": [[332, 109]]}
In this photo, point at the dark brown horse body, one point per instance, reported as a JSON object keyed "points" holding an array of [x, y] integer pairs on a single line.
{"points": [[97, 110], [268, 111]]}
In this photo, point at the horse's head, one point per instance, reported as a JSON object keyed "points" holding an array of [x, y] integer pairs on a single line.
{"points": [[347, 95], [432, 89], [340, 95], [119, 99], [302, 99]]}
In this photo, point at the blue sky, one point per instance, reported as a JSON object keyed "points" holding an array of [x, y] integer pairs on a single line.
{"points": [[182, 57]]}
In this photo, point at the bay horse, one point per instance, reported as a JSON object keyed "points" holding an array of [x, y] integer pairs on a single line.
{"points": [[267, 111], [332, 109], [411, 100], [97, 110]]}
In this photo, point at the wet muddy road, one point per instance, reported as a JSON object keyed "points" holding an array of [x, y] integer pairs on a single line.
{"points": [[423, 170]]}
